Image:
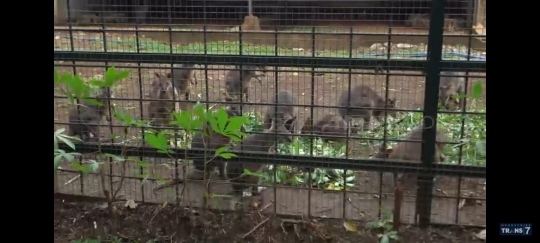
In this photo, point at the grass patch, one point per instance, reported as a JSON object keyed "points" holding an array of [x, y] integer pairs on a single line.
{"points": [[147, 45], [471, 139], [471, 145]]}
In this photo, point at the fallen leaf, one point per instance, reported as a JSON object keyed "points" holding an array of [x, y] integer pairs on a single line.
{"points": [[350, 226], [255, 204], [481, 235], [131, 204]]}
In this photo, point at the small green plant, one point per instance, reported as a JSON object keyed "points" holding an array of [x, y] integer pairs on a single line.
{"points": [[60, 154], [190, 121], [78, 90], [383, 227], [471, 145], [206, 122], [471, 137]]}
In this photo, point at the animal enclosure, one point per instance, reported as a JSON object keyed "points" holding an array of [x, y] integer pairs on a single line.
{"points": [[329, 105]]}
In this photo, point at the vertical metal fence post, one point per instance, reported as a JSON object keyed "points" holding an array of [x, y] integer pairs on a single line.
{"points": [[431, 96], [141, 109], [72, 49]]}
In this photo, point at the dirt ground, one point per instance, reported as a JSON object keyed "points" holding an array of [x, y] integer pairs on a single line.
{"points": [[83, 220]]}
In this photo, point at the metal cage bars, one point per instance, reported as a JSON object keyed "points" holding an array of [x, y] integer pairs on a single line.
{"points": [[432, 66]]}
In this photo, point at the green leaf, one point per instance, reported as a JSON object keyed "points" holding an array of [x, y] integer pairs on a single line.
{"points": [[481, 147], [476, 90], [97, 83], [373, 224], [112, 77], [227, 155], [158, 142], [66, 141], [79, 167], [143, 180], [56, 77], [213, 122], [69, 157], [385, 239], [114, 157], [222, 119], [198, 110], [66, 78], [59, 151], [221, 150], [93, 166], [92, 101], [142, 163], [57, 159], [60, 130], [296, 145], [459, 96], [76, 86], [55, 143], [393, 235], [123, 117], [257, 174], [183, 119], [235, 123]]}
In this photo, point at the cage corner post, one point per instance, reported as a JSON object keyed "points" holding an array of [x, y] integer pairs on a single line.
{"points": [[424, 196]]}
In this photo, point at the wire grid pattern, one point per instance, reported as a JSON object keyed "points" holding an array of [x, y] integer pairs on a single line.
{"points": [[383, 32]]}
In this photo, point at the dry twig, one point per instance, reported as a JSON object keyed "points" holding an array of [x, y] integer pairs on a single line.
{"points": [[167, 184], [255, 228]]}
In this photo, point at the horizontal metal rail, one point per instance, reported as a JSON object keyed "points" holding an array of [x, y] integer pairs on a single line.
{"points": [[291, 61], [277, 185], [287, 105], [322, 136], [316, 72], [266, 32], [379, 165]]}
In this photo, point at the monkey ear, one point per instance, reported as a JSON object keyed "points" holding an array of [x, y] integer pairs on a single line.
{"points": [[169, 75], [389, 151], [291, 120], [289, 124]]}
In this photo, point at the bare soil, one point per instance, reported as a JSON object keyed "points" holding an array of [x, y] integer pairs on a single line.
{"points": [[83, 220]]}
